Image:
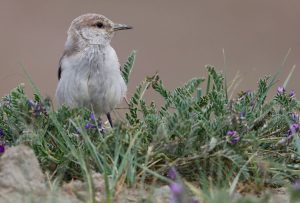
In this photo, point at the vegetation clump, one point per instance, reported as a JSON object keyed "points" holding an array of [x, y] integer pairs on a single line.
{"points": [[211, 139]]}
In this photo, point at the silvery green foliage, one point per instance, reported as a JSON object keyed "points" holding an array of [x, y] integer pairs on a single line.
{"points": [[127, 67], [189, 129]]}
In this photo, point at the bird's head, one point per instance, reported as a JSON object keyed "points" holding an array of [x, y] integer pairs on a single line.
{"points": [[93, 29]]}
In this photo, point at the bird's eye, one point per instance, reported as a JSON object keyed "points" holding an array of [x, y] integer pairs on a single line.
{"points": [[99, 25]]}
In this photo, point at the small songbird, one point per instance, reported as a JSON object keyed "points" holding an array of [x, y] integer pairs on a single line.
{"points": [[89, 70]]}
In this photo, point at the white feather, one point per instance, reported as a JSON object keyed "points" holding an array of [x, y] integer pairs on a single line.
{"points": [[91, 78]]}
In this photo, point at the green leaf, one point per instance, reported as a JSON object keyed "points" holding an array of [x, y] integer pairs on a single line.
{"points": [[127, 67]]}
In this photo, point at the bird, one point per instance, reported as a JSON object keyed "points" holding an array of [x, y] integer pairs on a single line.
{"points": [[89, 72]]}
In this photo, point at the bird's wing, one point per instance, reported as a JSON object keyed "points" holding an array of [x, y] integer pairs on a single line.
{"points": [[59, 72], [59, 68]]}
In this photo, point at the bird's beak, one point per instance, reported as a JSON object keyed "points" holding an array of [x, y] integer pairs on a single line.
{"points": [[117, 27]]}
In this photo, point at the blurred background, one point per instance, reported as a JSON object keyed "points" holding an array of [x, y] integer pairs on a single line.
{"points": [[174, 37]]}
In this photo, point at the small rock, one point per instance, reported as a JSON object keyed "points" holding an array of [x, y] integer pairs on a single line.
{"points": [[279, 195], [20, 175], [162, 194], [79, 189], [22, 180]]}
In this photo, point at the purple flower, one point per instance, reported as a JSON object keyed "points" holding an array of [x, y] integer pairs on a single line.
{"points": [[89, 126], [232, 137], [94, 125], [176, 188], [294, 116], [292, 93], [31, 103], [297, 184], [172, 173], [92, 117], [2, 148], [1, 132], [37, 107], [231, 132], [294, 128], [280, 89], [178, 193]]}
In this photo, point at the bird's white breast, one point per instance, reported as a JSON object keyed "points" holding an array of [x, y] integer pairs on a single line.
{"points": [[91, 78]]}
